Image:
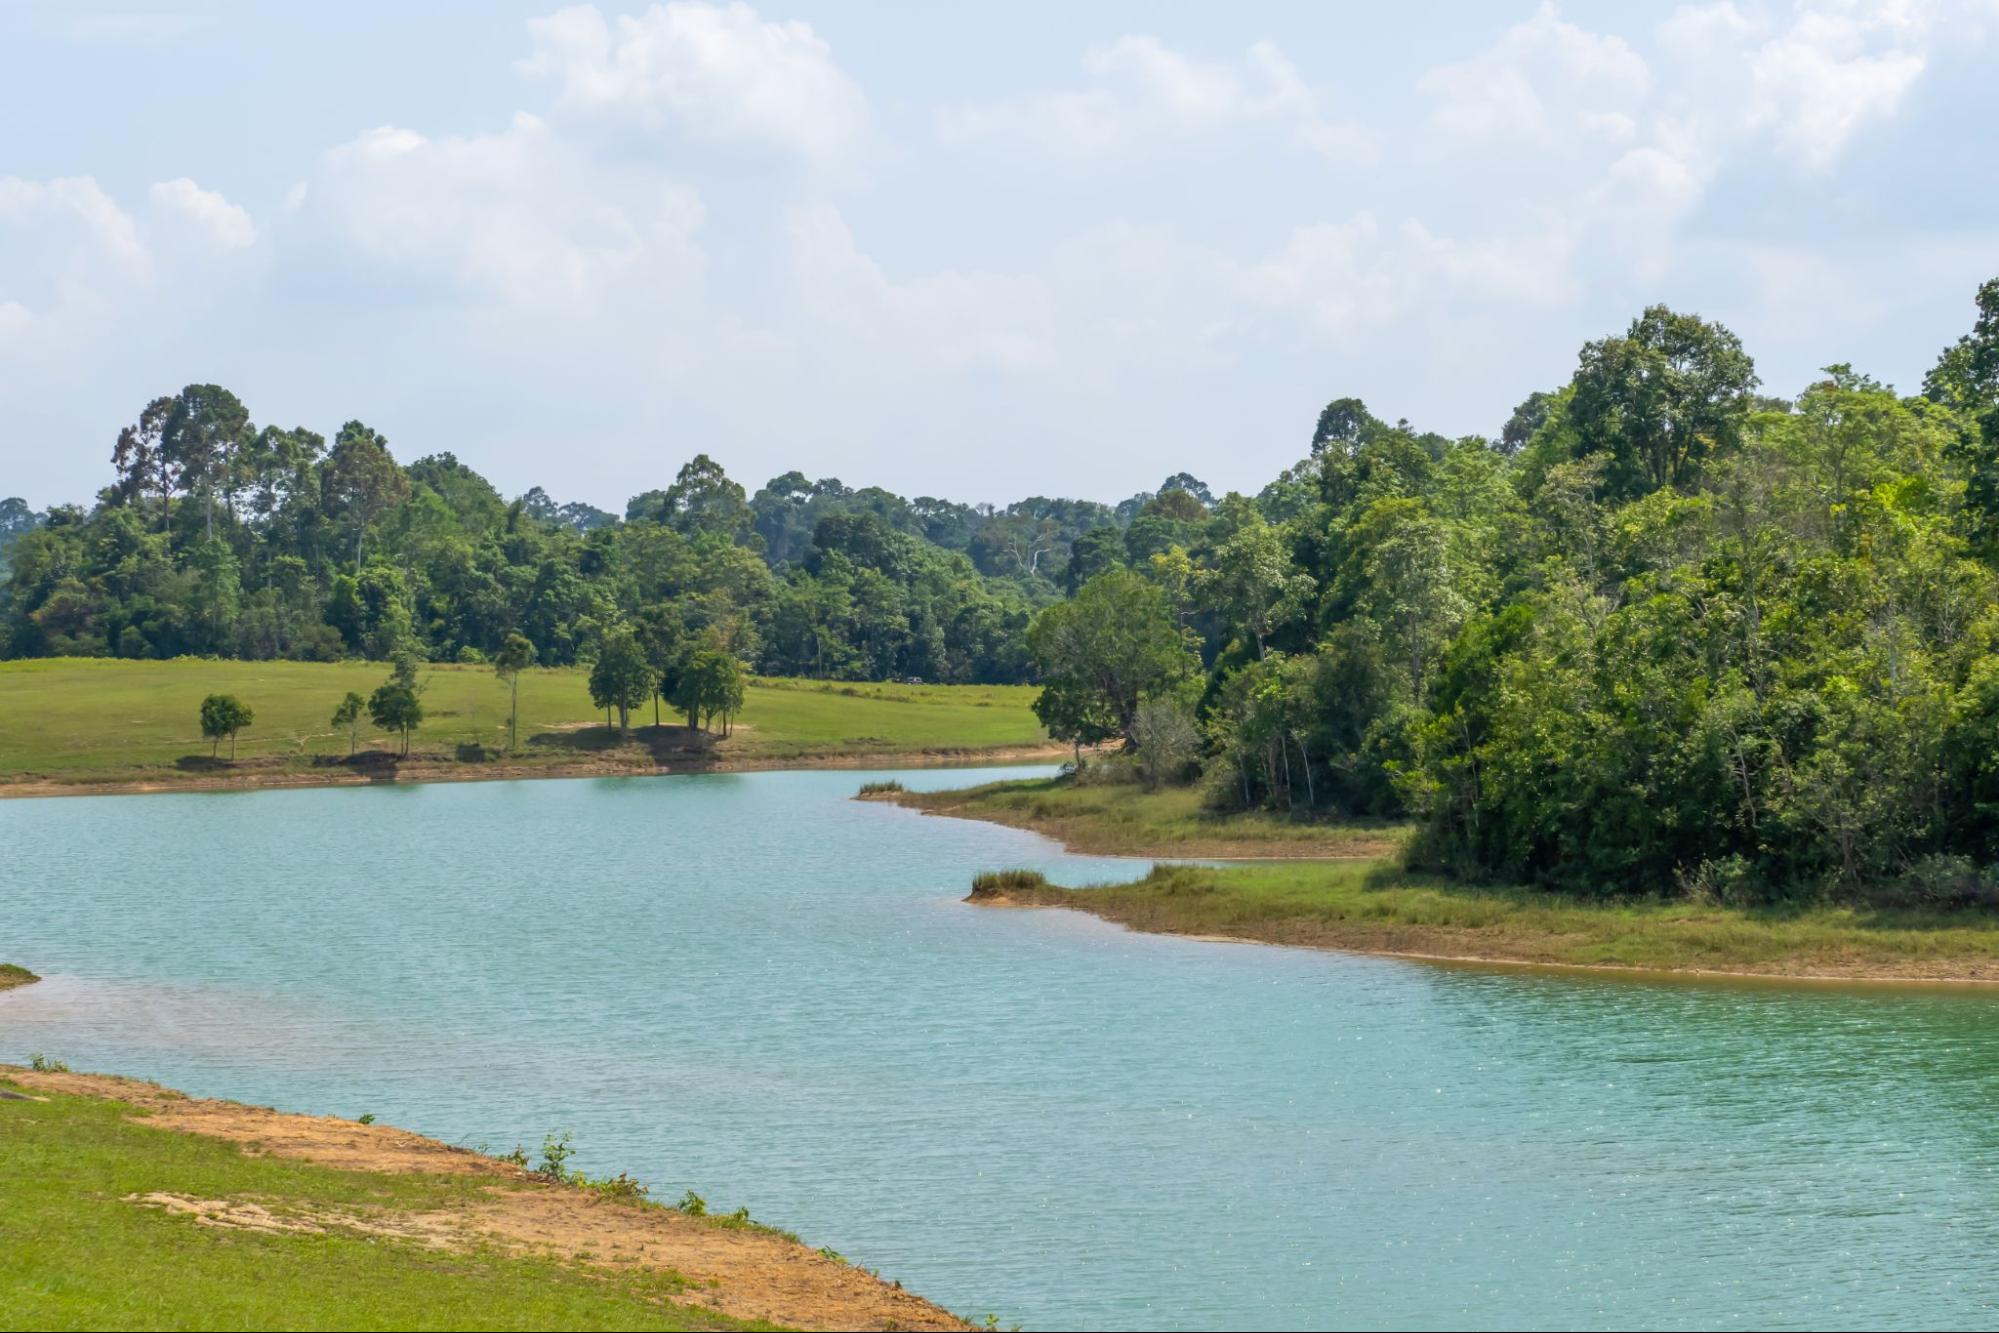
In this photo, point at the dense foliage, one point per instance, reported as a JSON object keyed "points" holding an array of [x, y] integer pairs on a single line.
{"points": [[1663, 633], [220, 537]]}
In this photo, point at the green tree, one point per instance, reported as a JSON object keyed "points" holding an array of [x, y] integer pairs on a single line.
{"points": [[621, 677], [396, 707], [515, 656], [1101, 652], [224, 715], [711, 685], [1659, 401], [347, 717]]}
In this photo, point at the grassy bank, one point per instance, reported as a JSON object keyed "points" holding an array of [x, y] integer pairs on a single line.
{"points": [[127, 1206], [1370, 903], [13, 974], [1126, 820], [94, 721]]}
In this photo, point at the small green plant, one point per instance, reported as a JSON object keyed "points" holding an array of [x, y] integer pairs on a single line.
{"points": [[518, 1157], [888, 788], [620, 1186], [1006, 883], [41, 1064], [556, 1150], [693, 1204], [828, 1252]]}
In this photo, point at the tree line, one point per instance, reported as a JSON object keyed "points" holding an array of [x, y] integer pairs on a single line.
{"points": [[1665, 632]]}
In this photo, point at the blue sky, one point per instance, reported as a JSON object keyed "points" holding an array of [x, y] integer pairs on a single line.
{"points": [[975, 252]]}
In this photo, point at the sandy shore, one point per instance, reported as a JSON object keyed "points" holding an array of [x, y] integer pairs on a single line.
{"points": [[743, 1273]]}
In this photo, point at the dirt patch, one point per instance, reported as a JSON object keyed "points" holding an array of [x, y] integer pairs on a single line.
{"points": [[742, 1273]]}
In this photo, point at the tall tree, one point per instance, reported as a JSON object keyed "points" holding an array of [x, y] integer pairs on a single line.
{"points": [[515, 656], [1103, 651]]}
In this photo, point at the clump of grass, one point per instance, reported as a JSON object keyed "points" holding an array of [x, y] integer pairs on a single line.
{"points": [[1014, 883], [13, 974], [693, 1205], [41, 1064], [888, 788]]}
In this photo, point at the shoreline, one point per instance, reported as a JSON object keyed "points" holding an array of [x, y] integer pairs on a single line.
{"points": [[1363, 904], [433, 769], [1078, 900], [708, 1264]]}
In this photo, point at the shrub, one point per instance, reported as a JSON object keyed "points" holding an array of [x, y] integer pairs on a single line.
{"points": [[888, 788]]}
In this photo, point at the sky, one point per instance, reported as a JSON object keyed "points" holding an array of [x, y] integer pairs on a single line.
{"points": [[977, 252]]}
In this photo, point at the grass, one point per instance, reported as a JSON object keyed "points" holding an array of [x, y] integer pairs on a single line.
{"points": [[1126, 820], [103, 720], [1330, 886], [1376, 907], [77, 1255], [13, 974]]}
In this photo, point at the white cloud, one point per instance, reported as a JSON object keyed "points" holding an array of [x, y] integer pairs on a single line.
{"points": [[715, 72], [1141, 88], [950, 320], [222, 222], [518, 216], [1543, 81]]}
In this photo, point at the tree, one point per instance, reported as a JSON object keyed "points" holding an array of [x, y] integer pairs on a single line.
{"points": [[1966, 376], [1168, 741], [348, 717], [1100, 652], [515, 656], [1661, 400], [362, 482], [1253, 582], [203, 437], [621, 677], [224, 715], [396, 707], [712, 684]]}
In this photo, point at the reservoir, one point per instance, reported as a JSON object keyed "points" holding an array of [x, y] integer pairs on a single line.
{"points": [[755, 987]]}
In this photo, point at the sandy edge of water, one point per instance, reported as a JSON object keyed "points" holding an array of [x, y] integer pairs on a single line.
{"points": [[742, 1273]]}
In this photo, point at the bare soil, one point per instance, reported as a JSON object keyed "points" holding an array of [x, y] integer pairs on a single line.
{"points": [[742, 1273]]}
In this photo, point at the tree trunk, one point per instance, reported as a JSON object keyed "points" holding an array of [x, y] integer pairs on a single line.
{"points": [[1311, 796], [514, 716], [624, 720]]}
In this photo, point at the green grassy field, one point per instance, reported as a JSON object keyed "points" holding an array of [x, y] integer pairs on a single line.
{"points": [[1368, 902], [77, 1254], [106, 720]]}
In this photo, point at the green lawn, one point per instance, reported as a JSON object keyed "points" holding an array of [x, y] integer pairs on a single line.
{"points": [[100, 719], [75, 1254]]}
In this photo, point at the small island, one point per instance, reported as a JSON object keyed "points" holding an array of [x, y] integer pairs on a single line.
{"points": [[13, 974]]}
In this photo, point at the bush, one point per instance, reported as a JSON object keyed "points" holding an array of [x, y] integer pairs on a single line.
{"points": [[1169, 743], [1943, 881], [888, 788]]}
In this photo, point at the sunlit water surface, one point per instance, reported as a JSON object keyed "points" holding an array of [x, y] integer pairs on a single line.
{"points": [[756, 987]]}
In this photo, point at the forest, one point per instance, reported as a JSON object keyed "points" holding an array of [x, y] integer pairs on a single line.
{"points": [[1665, 631]]}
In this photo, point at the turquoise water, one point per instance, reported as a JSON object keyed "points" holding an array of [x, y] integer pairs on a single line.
{"points": [[758, 988]]}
